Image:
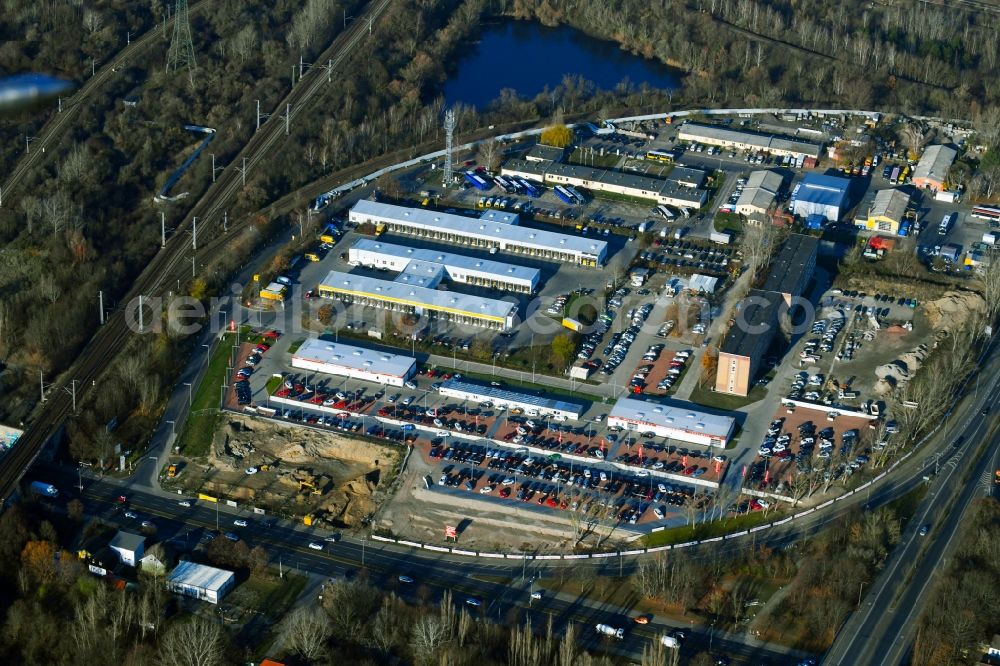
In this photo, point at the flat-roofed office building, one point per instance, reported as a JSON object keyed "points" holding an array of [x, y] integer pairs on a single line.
{"points": [[411, 297], [455, 267], [370, 365], [677, 421], [726, 137], [482, 233]]}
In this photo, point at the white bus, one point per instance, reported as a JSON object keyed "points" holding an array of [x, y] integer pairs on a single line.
{"points": [[665, 213]]}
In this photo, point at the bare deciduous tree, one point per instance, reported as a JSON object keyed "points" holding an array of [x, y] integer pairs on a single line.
{"points": [[490, 153], [757, 244], [92, 20], [57, 209], [76, 165], [244, 42], [429, 633], [306, 631], [913, 137], [197, 642]]}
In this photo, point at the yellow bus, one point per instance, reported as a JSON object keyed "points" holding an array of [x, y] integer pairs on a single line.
{"points": [[660, 156]]}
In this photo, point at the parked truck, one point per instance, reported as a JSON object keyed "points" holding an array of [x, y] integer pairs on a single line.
{"points": [[610, 632], [46, 489], [720, 237]]}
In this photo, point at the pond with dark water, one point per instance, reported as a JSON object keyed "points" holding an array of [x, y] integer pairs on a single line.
{"points": [[528, 57]]}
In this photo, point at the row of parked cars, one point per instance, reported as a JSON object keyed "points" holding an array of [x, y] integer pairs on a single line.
{"points": [[589, 344], [244, 393], [617, 348], [681, 254], [335, 422], [879, 298], [554, 443], [348, 401], [557, 484]]}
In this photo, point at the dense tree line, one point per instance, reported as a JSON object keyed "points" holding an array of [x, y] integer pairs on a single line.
{"points": [[903, 56], [54, 612], [62, 38], [82, 222], [963, 612], [830, 572]]}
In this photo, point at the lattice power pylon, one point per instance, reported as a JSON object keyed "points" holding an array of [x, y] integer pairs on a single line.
{"points": [[449, 135], [181, 52]]}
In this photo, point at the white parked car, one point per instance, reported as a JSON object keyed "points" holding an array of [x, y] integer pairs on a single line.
{"points": [[251, 470]]}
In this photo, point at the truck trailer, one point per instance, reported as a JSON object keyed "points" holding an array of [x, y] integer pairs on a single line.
{"points": [[46, 489]]}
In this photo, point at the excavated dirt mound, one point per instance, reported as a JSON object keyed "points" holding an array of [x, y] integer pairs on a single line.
{"points": [[327, 475], [952, 309]]}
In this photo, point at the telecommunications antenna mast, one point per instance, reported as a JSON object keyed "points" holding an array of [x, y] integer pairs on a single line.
{"points": [[449, 135], [181, 51]]}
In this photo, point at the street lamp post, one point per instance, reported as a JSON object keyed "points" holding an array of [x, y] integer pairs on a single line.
{"points": [[190, 393], [860, 588]]}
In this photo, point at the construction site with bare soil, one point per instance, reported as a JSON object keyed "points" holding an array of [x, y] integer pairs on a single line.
{"points": [[335, 480]]}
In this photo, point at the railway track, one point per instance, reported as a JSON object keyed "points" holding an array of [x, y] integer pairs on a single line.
{"points": [[967, 5], [60, 121], [172, 262]]}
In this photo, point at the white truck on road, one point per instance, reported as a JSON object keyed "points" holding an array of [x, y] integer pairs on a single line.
{"points": [[609, 631]]}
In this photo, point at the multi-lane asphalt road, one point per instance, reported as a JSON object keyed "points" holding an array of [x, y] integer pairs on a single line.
{"points": [[881, 631], [502, 586]]}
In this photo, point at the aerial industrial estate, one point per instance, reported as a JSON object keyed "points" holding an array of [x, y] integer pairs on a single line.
{"points": [[695, 386]]}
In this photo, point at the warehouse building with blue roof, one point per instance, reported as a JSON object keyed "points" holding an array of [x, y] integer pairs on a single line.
{"points": [[822, 195]]}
